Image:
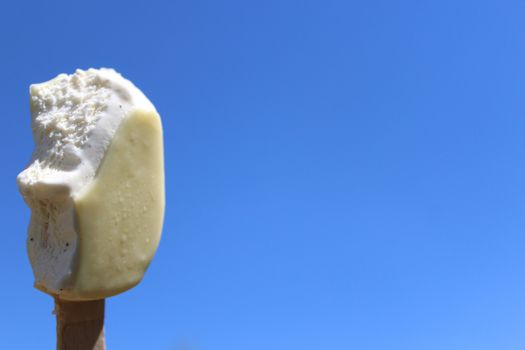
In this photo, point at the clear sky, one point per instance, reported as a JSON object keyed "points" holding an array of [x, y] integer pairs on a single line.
{"points": [[340, 174]]}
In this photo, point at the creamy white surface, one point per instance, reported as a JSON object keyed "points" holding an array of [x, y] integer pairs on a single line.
{"points": [[74, 118]]}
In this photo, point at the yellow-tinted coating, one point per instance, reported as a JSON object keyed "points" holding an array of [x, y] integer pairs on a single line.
{"points": [[120, 214]]}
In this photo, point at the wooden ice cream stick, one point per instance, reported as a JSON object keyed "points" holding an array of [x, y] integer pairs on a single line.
{"points": [[80, 325]]}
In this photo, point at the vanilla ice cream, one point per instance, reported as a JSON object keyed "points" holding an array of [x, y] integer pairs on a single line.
{"points": [[95, 184]]}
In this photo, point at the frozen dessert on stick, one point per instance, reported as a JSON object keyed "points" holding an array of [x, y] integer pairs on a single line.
{"points": [[95, 185]]}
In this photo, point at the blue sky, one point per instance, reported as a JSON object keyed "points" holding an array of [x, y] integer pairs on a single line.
{"points": [[340, 174]]}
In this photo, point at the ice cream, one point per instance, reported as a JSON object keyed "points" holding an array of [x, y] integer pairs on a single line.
{"points": [[95, 185]]}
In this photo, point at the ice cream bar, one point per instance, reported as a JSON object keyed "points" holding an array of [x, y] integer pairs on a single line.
{"points": [[95, 185]]}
